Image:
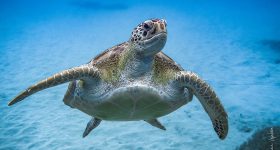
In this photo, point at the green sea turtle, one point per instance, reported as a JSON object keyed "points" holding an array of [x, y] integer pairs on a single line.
{"points": [[134, 81]]}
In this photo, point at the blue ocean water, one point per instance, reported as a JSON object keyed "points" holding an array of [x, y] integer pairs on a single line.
{"points": [[234, 45]]}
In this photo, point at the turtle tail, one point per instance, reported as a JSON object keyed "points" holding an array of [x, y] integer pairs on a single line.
{"points": [[75, 73]]}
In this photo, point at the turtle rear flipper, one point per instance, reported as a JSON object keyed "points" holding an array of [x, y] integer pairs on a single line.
{"points": [[155, 123], [209, 100], [69, 95], [93, 123]]}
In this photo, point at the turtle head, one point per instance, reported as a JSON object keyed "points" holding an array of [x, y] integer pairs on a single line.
{"points": [[150, 36]]}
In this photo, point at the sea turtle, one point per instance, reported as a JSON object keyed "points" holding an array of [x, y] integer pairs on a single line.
{"points": [[134, 81]]}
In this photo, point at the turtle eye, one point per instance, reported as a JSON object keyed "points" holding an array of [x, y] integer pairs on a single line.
{"points": [[147, 26]]}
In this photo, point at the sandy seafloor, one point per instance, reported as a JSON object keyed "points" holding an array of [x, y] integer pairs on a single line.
{"points": [[234, 45]]}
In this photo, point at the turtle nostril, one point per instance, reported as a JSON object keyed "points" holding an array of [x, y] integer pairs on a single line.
{"points": [[161, 26]]}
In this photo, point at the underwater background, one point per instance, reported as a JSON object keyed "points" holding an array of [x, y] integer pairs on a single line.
{"points": [[233, 45]]}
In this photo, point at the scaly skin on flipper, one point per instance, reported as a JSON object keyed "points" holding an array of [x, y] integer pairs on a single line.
{"points": [[75, 73], [208, 99]]}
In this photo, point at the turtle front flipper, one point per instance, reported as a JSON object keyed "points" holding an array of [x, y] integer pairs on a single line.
{"points": [[155, 123], [208, 99], [76, 73], [93, 123]]}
